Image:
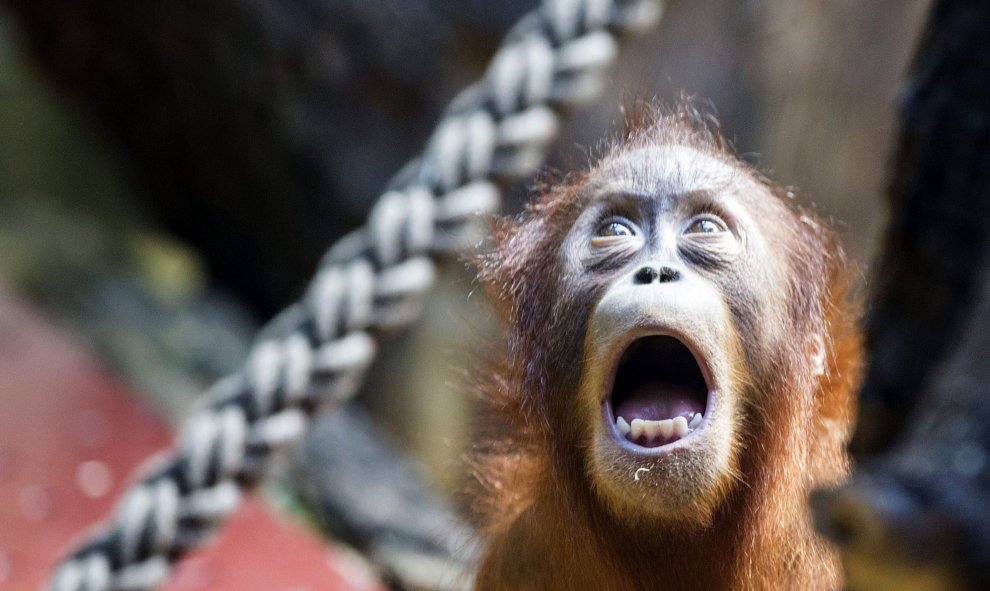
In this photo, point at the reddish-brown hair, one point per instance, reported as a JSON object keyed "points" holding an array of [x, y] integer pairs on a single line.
{"points": [[799, 426]]}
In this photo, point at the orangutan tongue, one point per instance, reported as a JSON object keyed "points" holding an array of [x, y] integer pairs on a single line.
{"points": [[659, 400]]}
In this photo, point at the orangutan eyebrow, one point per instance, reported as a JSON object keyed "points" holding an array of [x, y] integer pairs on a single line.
{"points": [[697, 196], [659, 202], [645, 205], [701, 201]]}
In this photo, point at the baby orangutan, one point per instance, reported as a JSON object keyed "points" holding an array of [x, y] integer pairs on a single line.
{"points": [[679, 363]]}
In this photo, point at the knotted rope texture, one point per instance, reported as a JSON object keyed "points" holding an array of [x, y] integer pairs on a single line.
{"points": [[371, 281]]}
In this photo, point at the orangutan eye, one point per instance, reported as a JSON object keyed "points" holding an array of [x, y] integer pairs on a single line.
{"points": [[612, 233], [615, 239], [614, 229], [706, 225]]}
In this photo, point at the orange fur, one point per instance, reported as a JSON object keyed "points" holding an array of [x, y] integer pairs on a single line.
{"points": [[546, 527]]}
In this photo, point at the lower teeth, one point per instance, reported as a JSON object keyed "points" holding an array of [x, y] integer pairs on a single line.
{"points": [[652, 431]]}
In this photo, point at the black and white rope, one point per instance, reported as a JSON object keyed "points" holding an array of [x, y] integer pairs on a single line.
{"points": [[371, 281]]}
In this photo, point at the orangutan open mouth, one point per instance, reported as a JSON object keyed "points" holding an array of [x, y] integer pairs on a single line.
{"points": [[659, 394]]}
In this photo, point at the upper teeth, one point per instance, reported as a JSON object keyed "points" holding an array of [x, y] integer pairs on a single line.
{"points": [[650, 430]]}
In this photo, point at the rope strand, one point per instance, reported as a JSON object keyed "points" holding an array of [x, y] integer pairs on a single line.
{"points": [[373, 280]]}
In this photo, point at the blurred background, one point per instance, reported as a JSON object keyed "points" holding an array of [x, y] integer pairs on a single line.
{"points": [[170, 173]]}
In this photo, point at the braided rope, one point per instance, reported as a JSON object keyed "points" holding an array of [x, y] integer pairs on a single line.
{"points": [[372, 280]]}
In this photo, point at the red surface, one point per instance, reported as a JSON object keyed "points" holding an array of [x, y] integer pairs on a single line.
{"points": [[70, 436]]}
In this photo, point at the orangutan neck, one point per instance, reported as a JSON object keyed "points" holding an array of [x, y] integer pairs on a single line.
{"points": [[755, 542]]}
